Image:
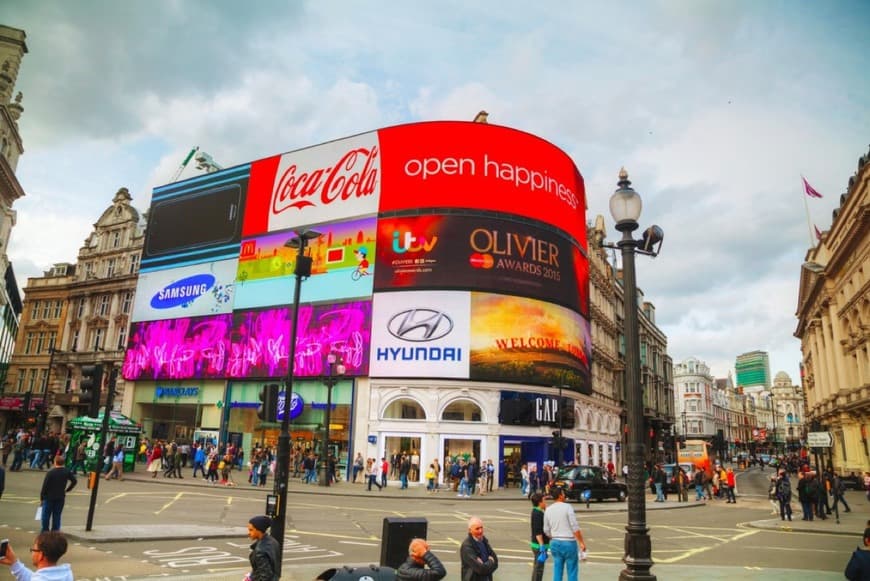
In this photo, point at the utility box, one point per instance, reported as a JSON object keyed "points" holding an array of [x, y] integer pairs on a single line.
{"points": [[397, 536]]}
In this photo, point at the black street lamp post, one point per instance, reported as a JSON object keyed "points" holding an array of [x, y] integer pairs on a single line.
{"points": [[282, 476], [625, 207], [335, 370]]}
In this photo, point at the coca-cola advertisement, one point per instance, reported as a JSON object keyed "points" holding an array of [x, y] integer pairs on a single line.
{"points": [[337, 180]]}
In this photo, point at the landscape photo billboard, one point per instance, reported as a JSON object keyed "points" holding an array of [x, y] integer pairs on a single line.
{"points": [[521, 340]]}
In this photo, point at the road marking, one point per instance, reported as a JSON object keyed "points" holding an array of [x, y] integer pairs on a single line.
{"points": [[358, 543], [333, 535], [115, 497], [692, 533], [170, 503]]}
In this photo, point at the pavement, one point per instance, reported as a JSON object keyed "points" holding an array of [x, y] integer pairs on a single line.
{"points": [[850, 524]]}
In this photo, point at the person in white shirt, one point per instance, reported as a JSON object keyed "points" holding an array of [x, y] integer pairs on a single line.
{"points": [[46, 551], [560, 525]]}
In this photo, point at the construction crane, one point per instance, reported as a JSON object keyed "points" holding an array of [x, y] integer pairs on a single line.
{"points": [[184, 163]]}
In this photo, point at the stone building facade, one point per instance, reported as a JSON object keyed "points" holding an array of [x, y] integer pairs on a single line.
{"points": [[12, 50], [79, 314], [833, 313]]}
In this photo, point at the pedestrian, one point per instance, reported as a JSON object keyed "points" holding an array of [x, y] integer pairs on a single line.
{"points": [[46, 551], [437, 466], [155, 460], [682, 484], [265, 552], [421, 564], [659, 480], [838, 491], [117, 470], [490, 475], [199, 461], [821, 496], [358, 466], [699, 485], [479, 561], [560, 524], [540, 542], [783, 495], [858, 568], [57, 482], [771, 495], [806, 495], [385, 469], [731, 484], [2, 480], [524, 477], [372, 470], [404, 471], [430, 479]]}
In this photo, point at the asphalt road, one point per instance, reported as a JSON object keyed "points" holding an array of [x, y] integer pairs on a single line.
{"points": [[338, 529]]}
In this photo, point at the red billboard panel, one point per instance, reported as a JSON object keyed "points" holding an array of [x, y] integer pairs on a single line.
{"points": [[454, 164], [468, 252]]}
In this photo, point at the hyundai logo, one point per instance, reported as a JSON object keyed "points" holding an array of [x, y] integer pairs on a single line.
{"points": [[420, 325]]}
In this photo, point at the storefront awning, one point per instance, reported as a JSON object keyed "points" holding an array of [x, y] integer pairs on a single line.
{"points": [[118, 423]]}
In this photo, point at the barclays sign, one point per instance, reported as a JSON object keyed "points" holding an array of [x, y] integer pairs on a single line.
{"points": [[176, 392]]}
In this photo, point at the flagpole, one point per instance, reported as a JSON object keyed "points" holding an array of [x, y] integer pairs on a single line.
{"points": [[807, 206]]}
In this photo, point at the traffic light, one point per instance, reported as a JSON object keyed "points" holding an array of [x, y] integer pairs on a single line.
{"points": [[268, 410], [91, 387]]}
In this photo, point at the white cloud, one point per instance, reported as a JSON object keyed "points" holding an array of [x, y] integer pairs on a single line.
{"points": [[715, 109]]}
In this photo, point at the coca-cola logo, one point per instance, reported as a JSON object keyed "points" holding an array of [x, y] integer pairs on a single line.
{"points": [[355, 175]]}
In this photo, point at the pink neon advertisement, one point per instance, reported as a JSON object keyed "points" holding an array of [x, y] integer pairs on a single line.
{"points": [[250, 344]]}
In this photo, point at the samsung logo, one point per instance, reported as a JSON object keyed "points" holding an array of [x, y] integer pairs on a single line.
{"points": [[182, 292], [420, 325]]}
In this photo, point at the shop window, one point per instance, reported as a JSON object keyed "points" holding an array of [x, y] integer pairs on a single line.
{"points": [[404, 409], [461, 411]]}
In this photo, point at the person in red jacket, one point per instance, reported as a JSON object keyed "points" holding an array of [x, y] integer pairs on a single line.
{"points": [[732, 482]]}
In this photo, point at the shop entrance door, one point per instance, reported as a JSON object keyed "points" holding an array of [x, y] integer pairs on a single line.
{"points": [[395, 446]]}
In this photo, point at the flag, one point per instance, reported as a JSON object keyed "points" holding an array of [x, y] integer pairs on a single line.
{"points": [[810, 190], [818, 232]]}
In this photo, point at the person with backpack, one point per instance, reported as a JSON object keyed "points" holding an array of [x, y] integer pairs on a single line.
{"points": [[783, 495], [838, 489]]}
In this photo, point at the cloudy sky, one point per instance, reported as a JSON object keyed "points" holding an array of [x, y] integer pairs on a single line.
{"points": [[715, 109]]}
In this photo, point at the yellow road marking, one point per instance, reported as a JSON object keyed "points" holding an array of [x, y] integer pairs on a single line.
{"points": [[170, 503], [116, 497]]}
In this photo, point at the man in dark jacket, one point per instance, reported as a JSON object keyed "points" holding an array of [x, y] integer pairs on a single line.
{"points": [[540, 542], [53, 493], [264, 558], [858, 568], [479, 561], [419, 558]]}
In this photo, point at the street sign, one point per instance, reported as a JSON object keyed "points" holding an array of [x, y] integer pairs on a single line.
{"points": [[820, 439]]}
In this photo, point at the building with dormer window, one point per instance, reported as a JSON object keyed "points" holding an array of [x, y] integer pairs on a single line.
{"points": [[75, 315]]}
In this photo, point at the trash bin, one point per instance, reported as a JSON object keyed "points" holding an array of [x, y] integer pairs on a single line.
{"points": [[397, 535]]}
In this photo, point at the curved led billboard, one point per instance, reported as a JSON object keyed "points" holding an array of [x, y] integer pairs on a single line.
{"points": [[416, 226]]}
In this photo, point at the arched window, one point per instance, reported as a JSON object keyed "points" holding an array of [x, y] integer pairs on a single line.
{"points": [[462, 410], [404, 409]]}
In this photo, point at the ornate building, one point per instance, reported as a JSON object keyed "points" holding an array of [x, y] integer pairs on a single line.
{"points": [[606, 361], [79, 315], [694, 388], [833, 313], [12, 51]]}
